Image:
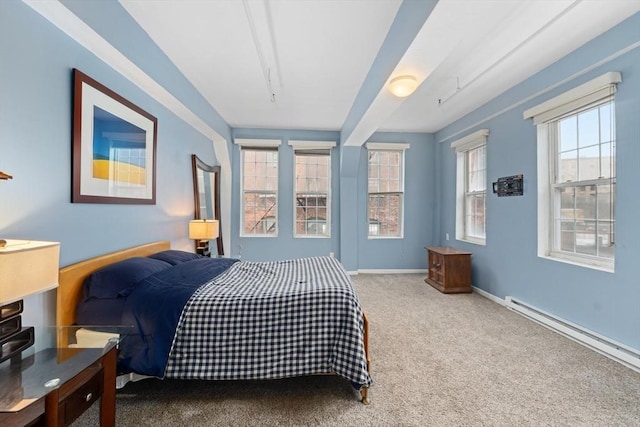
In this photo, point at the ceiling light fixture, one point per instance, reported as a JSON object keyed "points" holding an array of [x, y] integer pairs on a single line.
{"points": [[403, 86]]}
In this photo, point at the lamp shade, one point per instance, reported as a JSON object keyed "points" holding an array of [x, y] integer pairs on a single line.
{"points": [[27, 267], [202, 229], [403, 86]]}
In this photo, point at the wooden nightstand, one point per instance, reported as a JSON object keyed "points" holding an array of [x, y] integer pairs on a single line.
{"points": [[449, 269], [55, 386]]}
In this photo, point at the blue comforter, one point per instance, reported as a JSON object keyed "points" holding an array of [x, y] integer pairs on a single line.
{"points": [[153, 309]]}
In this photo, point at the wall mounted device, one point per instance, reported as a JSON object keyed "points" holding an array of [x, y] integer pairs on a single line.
{"points": [[509, 186]]}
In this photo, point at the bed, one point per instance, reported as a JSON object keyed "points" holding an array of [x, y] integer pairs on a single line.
{"points": [[221, 319]]}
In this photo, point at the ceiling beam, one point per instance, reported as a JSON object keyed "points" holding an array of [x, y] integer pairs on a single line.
{"points": [[374, 103]]}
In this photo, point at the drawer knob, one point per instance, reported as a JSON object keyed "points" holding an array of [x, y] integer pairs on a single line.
{"points": [[436, 265], [88, 397]]}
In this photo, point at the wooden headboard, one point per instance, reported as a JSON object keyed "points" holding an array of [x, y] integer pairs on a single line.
{"points": [[72, 277]]}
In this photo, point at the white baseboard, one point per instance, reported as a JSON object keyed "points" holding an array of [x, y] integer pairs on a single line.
{"points": [[621, 353], [392, 271], [627, 356], [489, 296]]}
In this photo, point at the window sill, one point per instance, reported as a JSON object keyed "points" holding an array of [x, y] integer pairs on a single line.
{"points": [[607, 267], [473, 241]]}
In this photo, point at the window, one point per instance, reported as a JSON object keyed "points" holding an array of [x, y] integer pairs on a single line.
{"points": [[385, 189], [471, 187], [259, 163], [312, 190], [577, 174]]}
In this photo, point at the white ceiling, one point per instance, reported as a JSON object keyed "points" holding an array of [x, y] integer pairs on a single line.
{"points": [[302, 63]]}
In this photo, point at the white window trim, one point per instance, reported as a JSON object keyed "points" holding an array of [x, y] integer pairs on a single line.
{"points": [[257, 144], [593, 91], [462, 146], [312, 145], [389, 146], [583, 95]]}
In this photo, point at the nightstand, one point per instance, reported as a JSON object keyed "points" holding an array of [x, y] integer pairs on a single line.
{"points": [[55, 386], [449, 269]]}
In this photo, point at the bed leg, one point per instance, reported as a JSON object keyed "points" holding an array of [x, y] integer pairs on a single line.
{"points": [[364, 392]]}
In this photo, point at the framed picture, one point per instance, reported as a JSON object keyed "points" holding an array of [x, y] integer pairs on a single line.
{"points": [[114, 147]]}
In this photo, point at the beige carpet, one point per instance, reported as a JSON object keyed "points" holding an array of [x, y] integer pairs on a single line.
{"points": [[437, 360]]}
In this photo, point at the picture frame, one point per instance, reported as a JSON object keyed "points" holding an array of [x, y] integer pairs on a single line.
{"points": [[114, 146]]}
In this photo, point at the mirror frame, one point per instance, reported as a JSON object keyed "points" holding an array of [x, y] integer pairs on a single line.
{"points": [[196, 165]]}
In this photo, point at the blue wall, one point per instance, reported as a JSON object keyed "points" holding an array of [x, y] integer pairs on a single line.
{"points": [[607, 303], [349, 199], [419, 207], [36, 62], [284, 245]]}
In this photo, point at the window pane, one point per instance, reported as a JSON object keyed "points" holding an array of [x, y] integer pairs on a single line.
{"points": [[608, 160], [588, 128], [374, 228], [475, 193], [312, 194], [259, 213], [260, 186], [567, 236], [260, 170], [475, 215], [568, 134], [568, 166], [568, 204], [568, 218], [385, 178], [385, 210], [606, 201], [394, 178], [586, 220], [586, 202], [476, 169], [589, 163], [586, 237], [606, 118], [606, 239]]}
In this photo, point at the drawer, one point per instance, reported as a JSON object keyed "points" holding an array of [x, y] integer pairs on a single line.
{"points": [[81, 392]]}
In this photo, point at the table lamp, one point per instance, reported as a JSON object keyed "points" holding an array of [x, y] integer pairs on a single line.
{"points": [[27, 267], [203, 230]]}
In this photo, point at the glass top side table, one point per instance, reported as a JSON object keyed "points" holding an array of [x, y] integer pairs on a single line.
{"points": [[61, 382]]}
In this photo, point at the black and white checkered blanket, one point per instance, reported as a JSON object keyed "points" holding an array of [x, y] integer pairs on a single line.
{"points": [[261, 320]]}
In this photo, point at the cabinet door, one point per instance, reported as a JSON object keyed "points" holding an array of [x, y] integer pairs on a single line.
{"points": [[436, 267]]}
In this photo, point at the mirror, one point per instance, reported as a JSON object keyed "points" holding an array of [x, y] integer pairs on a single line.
{"points": [[206, 194]]}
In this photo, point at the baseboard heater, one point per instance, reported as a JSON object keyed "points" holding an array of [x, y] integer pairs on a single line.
{"points": [[615, 351]]}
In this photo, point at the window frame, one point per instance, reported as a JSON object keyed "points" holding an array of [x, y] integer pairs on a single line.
{"points": [[267, 145], [463, 147], [395, 147], [313, 148], [546, 116]]}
